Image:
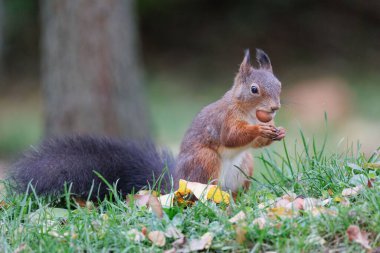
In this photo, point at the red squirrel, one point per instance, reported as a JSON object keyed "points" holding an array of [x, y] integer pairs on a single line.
{"points": [[222, 133], [216, 142]]}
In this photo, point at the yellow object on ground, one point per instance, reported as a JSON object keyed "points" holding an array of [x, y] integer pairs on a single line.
{"points": [[202, 192]]}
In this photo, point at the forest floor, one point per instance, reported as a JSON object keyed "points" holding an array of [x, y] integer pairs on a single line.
{"points": [[308, 200]]}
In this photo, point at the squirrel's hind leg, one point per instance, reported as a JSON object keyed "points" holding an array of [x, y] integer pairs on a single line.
{"points": [[202, 166]]}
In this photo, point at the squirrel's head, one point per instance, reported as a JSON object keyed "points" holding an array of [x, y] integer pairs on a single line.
{"points": [[257, 88]]}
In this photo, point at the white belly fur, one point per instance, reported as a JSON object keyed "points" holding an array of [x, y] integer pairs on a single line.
{"points": [[231, 178]]}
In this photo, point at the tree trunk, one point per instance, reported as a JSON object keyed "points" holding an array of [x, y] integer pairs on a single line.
{"points": [[1, 37], [90, 71]]}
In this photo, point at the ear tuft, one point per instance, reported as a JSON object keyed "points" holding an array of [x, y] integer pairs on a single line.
{"points": [[263, 60], [245, 66]]}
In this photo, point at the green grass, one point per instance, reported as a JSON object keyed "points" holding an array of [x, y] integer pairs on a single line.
{"points": [[305, 168]]}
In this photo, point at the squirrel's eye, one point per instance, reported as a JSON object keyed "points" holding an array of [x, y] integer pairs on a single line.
{"points": [[254, 90]]}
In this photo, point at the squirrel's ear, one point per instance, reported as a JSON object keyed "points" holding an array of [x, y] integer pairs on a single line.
{"points": [[263, 60], [245, 66]]}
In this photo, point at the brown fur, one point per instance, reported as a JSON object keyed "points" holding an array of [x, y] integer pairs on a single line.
{"points": [[229, 125]]}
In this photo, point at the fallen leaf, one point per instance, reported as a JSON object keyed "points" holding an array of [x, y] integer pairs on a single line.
{"points": [[155, 205], [349, 192], [173, 232], [167, 200], [359, 236], [372, 165], [141, 200], [298, 203], [330, 192], [290, 196], [157, 238], [179, 242], [148, 192], [370, 183], [316, 211], [238, 217], [282, 203], [241, 231], [136, 235], [216, 194], [144, 231], [310, 203], [79, 201], [281, 212], [326, 202], [4, 205], [203, 243], [260, 222], [266, 204]]}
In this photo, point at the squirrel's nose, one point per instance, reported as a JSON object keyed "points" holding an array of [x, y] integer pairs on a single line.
{"points": [[274, 108]]}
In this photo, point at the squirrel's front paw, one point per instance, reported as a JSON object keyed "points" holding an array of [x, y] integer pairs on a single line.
{"points": [[268, 131], [281, 132]]}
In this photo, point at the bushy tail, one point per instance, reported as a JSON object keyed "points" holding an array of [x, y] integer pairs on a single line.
{"points": [[73, 160]]}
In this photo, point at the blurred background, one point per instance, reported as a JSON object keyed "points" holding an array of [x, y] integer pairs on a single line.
{"points": [[145, 68]]}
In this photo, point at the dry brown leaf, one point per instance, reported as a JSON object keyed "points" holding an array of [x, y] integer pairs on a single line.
{"points": [[281, 212], [155, 204], [141, 200], [173, 232], [136, 235], [349, 192], [289, 196], [157, 238], [282, 203], [260, 222], [359, 236], [4, 205], [326, 202], [144, 231], [316, 211], [179, 242], [79, 201], [241, 231], [310, 203], [298, 204], [238, 217], [203, 243]]}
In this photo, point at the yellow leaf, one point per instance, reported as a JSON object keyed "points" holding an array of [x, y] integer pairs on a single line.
{"points": [[182, 189], [217, 195]]}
